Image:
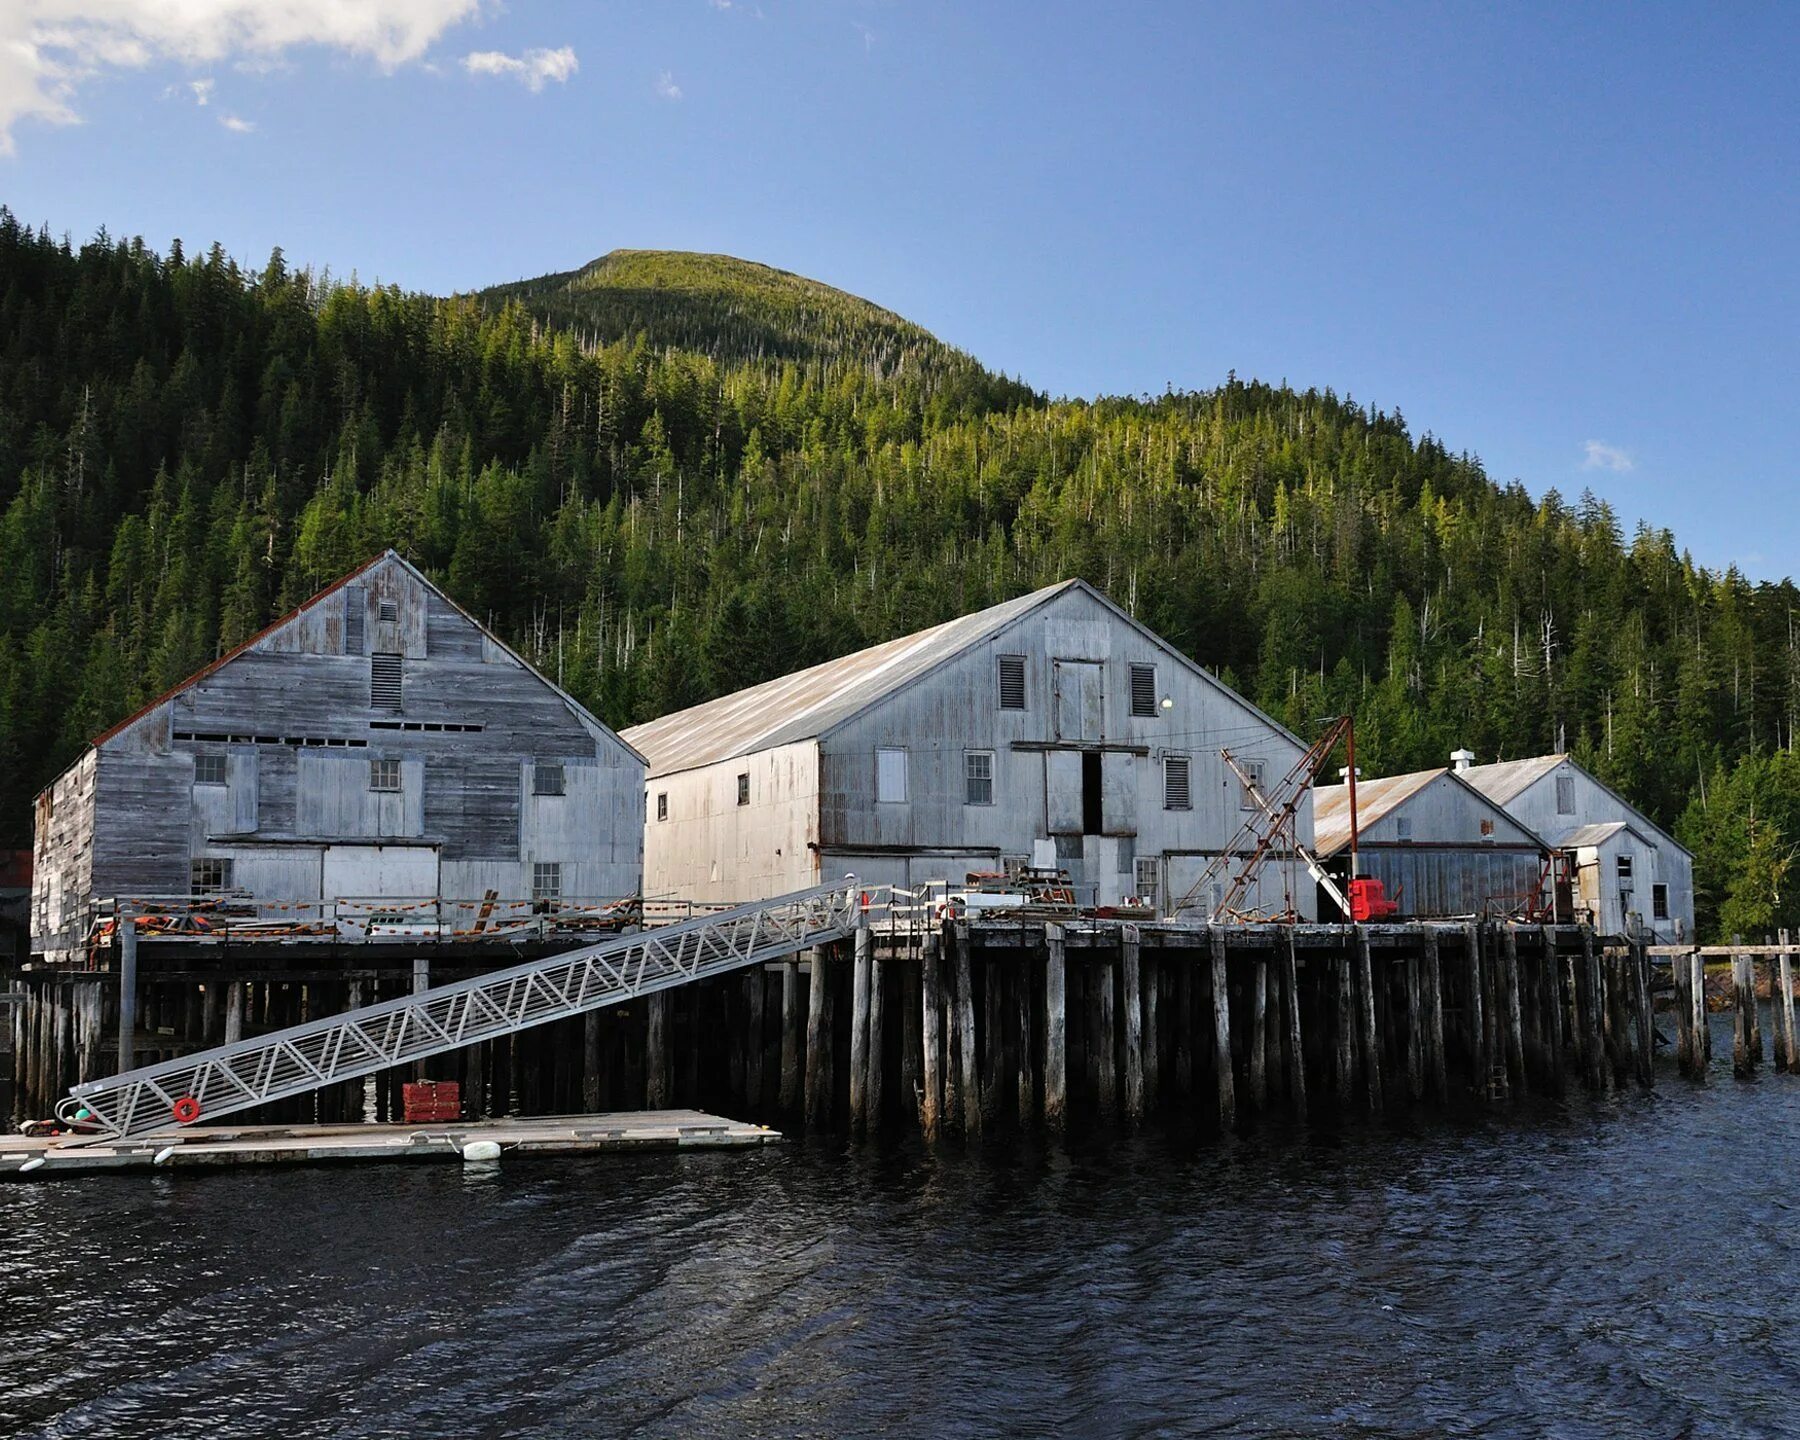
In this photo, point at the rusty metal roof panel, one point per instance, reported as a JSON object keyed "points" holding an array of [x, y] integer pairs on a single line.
{"points": [[1374, 799]]}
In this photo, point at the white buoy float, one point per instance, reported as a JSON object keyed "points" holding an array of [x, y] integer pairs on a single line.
{"points": [[31, 1165], [162, 1156], [488, 1150]]}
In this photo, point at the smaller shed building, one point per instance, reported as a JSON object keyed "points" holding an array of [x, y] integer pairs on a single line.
{"points": [[1631, 875], [1438, 845]]}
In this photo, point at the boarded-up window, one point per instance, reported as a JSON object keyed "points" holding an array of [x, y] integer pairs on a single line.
{"points": [[384, 682], [208, 877], [1143, 689], [546, 880], [384, 774], [1253, 780], [744, 788], [1177, 794], [1565, 794], [978, 777], [1145, 881], [1625, 870], [890, 776], [547, 780], [355, 609], [1012, 682], [209, 769], [1402, 828], [662, 805]]}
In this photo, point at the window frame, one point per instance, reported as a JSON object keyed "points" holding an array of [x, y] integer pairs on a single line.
{"points": [[1625, 867], [662, 805], [210, 758], [540, 774], [891, 752], [743, 787], [1258, 772], [1148, 896], [1659, 900], [1186, 762], [1403, 828], [384, 765], [542, 893], [1142, 670], [1001, 663], [1565, 786], [220, 863], [971, 779]]}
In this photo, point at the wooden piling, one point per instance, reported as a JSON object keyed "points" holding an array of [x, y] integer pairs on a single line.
{"points": [[912, 1031], [1223, 1079], [1132, 1017], [1344, 1026], [1646, 1021], [1517, 1080], [1150, 978], [1295, 1049], [1056, 1040], [1371, 1040], [1259, 1029], [788, 1095], [931, 1015], [1745, 1051], [818, 1043], [1784, 1000], [876, 1083], [1103, 1056], [965, 1027], [1681, 972], [1415, 1028], [1552, 1011], [1432, 986], [1184, 1028], [128, 991], [859, 1033], [1474, 1021], [1027, 1080], [992, 1050]]}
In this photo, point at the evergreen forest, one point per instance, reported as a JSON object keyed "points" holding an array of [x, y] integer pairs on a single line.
{"points": [[664, 477]]}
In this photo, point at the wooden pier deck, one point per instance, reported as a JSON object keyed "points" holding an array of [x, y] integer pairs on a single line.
{"points": [[217, 1147]]}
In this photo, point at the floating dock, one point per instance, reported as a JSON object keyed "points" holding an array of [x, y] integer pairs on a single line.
{"points": [[218, 1147]]}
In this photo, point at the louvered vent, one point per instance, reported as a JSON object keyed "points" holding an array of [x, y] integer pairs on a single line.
{"points": [[355, 609], [1012, 682], [1143, 689], [387, 610], [1175, 783], [384, 682]]}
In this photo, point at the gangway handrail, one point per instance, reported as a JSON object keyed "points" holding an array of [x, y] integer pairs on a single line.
{"points": [[348, 1046]]}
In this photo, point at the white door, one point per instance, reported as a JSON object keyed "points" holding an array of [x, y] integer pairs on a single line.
{"points": [[360, 876], [1080, 700]]}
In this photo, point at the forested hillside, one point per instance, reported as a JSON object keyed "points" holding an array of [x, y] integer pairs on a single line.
{"points": [[672, 512]]}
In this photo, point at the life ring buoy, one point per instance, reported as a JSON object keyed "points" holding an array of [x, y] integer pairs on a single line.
{"points": [[187, 1109]]}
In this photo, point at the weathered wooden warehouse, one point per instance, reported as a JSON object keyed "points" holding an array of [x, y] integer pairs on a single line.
{"points": [[377, 742], [1438, 845], [1052, 729], [1633, 876]]}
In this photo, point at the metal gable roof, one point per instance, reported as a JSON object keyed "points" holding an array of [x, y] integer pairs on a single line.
{"points": [[810, 703], [1506, 780], [1376, 799]]}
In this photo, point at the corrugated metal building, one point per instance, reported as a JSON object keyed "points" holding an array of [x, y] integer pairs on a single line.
{"points": [[1631, 874], [1052, 729], [1438, 845], [376, 742]]}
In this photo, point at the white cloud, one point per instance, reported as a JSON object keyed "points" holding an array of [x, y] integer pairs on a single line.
{"points": [[235, 125], [666, 86], [49, 48], [533, 69], [1605, 457]]}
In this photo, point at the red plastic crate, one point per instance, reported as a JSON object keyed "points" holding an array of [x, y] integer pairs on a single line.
{"points": [[431, 1102]]}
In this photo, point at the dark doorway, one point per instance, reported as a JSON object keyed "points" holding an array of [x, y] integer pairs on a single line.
{"points": [[1090, 792]]}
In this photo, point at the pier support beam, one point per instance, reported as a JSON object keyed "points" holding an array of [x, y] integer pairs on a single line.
{"points": [[818, 1043], [1221, 1012], [1746, 1049], [1132, 1018], [1475, 1022], [788, 1094], [1517, 1081], [876, 1056], [1296, 1048], [1783, 1001], [128, 992], [1432, 986], [1371, 1040], [859, 1033], [659, 1071], [965, 1032], [1056, 1037], [1259, 1033], [931, 1005]]}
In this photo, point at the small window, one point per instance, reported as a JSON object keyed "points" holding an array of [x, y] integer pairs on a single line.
{"points": [[1145, 879], [209, 769], [1176, 791], [546, 880], [744, 788], [662, 805], [1143, 690], [1625, 869], [1487, 829], [1012, 682], [978, 777], [1402, 827], [208, 877], [1253, 771], [384, 774], [1565, 794], [547, 780], [890, 776], [387, 610], [1659, 902], [384, 682]]}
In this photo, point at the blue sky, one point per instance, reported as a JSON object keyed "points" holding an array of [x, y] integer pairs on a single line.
{"points": [[1561, 237]]}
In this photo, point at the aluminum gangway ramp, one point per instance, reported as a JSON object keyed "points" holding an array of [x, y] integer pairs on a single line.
{"points": [[283, 1063]]}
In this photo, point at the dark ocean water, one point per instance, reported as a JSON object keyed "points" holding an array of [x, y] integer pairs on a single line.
{"points": [[1623, 1267]]}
